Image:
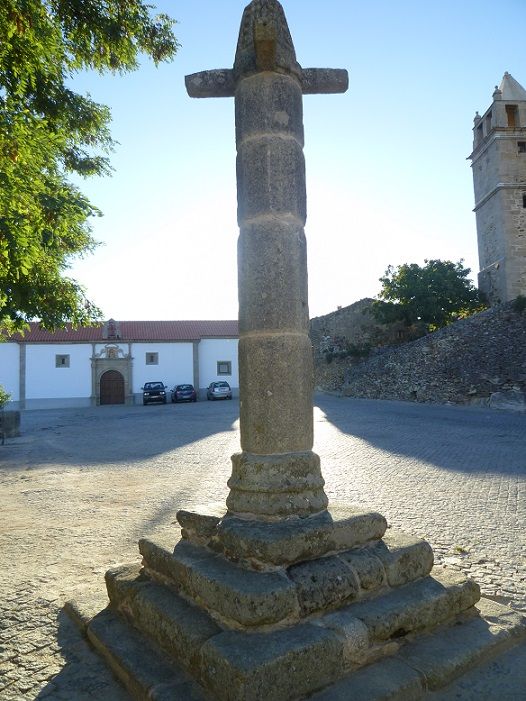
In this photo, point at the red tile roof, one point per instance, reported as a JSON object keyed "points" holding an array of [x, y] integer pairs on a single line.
{"points": [[134, 331]]}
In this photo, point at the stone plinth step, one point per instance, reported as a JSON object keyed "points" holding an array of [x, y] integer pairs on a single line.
{"points": [[175, 625], [284, 542], [140, 666], [415, 607], [475, 659], [359, 573], [237, 596], [282, 663], [277, 666], [310, 661], [244, 597]]}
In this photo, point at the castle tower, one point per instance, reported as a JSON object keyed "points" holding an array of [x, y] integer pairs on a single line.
{"points": [[499, 178]]}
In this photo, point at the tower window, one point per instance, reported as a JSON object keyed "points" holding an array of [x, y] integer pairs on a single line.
{"points": [[524, 200], [511, 114], [521, 146]]}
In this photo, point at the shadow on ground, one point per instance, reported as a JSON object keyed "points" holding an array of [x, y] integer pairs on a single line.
{"points": [[84, 676], [113, 434], [456, 438]]}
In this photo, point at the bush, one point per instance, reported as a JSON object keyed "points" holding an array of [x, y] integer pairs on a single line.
{"points": [[4, 397], [519, 304], [355, 350]]}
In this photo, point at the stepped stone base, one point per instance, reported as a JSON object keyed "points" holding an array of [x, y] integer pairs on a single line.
{"points": [[360, 619], [263, 544]]}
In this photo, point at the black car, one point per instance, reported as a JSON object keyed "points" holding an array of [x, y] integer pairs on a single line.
{"points": [[154, 392], [184, 393], [219, 390]]}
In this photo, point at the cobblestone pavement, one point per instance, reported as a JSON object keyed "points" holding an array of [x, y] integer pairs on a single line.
{"points": [[80, 486]]}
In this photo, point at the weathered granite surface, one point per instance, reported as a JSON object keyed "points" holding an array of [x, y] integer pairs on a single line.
{"points": [[348, 562], [480, 360]]}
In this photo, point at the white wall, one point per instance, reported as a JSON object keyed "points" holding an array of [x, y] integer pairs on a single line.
{"points": [[176, 364], [211, 350], [10, 368], [45, 381], [48, 385]]}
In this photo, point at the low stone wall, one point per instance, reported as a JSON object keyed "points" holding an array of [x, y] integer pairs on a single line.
{"points": [[329, 377], [480, 360], [9, 424], [354, 322]]}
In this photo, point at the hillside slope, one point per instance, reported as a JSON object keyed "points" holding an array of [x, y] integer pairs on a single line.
{"points": [[480, 360]]}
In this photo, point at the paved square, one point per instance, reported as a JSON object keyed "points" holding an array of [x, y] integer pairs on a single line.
{"points": [[80, 486]]}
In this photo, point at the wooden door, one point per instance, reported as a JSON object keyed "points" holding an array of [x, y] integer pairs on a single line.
{"points": [[112, 388]]}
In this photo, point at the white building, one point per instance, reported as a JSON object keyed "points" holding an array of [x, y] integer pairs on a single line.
{"points": [[109, 364]]}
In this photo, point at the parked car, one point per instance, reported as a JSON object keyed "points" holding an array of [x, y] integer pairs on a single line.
{"points": [[219, 390], [184, 393], [154, 392]]}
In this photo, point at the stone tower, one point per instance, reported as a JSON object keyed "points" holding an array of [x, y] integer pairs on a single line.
{"points": [[499, 178]]}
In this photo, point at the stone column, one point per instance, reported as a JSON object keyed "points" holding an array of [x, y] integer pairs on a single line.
{"points": [[276, 475]]}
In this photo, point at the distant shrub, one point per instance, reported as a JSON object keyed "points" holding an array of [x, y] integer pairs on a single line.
{"points": [[4, 397], [519, 304], [358, 350]]}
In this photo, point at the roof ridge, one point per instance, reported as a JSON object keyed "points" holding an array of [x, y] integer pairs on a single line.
{"points": [[511, 89], [134, 330]]}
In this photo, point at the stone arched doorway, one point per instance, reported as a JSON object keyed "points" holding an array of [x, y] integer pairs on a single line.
{"points": [[112, 364], [112, 387]]}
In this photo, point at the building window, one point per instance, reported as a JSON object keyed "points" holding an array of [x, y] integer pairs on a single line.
{"points": [[62, 361], [524, 200], [152, 358], [224, 367], [521, 145], [511, 114]]}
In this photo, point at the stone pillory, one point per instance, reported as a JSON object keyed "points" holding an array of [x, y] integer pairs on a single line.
{"points": [[277, 474], [280, 597]]}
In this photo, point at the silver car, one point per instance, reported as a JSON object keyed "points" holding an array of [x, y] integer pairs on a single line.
{"points": [[219, 390]]}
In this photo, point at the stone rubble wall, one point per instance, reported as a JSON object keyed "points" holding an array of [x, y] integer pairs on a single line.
{"points": [[352, 322], [355, 326], [480, 360]]}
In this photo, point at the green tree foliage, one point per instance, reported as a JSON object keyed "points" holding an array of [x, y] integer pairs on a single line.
{"points": [[4, 397], [48, 132], [436, 294]]}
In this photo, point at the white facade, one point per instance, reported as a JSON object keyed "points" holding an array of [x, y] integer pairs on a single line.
{"points": [[9, 369], [46, 381], [48, 375], [214, 352], [175, 364]]}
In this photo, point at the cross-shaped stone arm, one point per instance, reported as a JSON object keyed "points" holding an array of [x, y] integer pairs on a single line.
{"points": [[221, 82], [265, 44]]}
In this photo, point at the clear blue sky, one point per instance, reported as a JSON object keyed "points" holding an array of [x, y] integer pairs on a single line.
{"points": [[387, 177]]}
